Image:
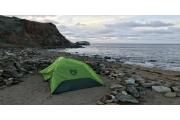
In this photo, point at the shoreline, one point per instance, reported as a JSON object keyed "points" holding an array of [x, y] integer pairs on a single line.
{"points": [[124, 84]]}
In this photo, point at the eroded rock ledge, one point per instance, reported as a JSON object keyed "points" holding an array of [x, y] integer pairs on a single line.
{"points": [[15, 32]]}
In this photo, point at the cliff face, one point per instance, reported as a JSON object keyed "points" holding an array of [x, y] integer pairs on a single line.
{"points": [[24, 33]]}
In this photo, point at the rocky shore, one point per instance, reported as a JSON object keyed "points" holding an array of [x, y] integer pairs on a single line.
{"points": [[125, 84]]}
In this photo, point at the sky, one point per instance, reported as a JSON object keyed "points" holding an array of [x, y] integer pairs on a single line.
{"points": [[116, 29]]}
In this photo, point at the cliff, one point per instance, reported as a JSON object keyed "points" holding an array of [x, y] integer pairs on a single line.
{"points": [[17, 32]]}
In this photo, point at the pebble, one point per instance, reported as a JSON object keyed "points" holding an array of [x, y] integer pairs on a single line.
{"points": [[126, 98], [131, 89], [106, 72], [150, 84], [170, 94], [110, 99], [161, 89], [99, 102], [116, 86], [1, 72], [130, 81], [124, 92], [107, 98], [176, 88], [9, 81]]}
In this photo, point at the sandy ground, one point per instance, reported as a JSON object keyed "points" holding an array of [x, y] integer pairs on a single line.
{"points": [[34, 91]]}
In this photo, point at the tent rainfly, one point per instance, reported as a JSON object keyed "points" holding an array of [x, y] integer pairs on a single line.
{"points": [[67, 74]]}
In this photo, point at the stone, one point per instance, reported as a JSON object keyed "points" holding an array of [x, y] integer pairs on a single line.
{"points": [[141, 90], [139, 79], [131, 89], [130, 81], [1, 72], [9, 81], [30, 72], [176, 88], [106, 72], [116, 86], [114, 75], [124, 92], [107, 98], [115, 92], [170, 94], [161, 89], [99, 102], [120, 74], [150, 84], [126, 98]]}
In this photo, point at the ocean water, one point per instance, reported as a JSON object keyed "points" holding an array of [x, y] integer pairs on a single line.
{"points": [[164, 56]]}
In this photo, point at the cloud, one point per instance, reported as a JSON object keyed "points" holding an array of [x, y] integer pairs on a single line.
{"points": [[132, 24], [116, 28]]}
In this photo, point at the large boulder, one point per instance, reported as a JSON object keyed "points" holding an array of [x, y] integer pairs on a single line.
{"points": [[15, 32], [82, 43]]}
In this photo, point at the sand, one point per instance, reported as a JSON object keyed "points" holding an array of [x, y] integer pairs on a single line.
{"points": [[34, 91]]}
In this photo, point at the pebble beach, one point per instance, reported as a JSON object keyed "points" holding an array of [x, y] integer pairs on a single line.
{"points": [[21, 82]]}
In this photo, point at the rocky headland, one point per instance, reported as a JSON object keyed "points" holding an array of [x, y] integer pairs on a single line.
{"points": [[16, 32]]}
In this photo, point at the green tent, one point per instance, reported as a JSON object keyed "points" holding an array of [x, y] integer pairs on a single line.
{"points": [[67, 74]]}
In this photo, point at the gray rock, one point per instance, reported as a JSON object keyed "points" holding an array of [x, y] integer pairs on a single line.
{"points": [[1, 72], [114, 75], [176, 88], [107, 72], [131, 89], [130, 81], [107, 98], [124, 92], [9, 81], [139, 79], [161, 89], [10, 54], [150, 84], [99, 102], [170, 94], [115, 92], [126, 98], [116, 86], [110, 99], [141, 90]]}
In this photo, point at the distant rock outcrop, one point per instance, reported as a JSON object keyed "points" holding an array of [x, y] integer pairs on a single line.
{"points": [[17, 32], [82, 43]]}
